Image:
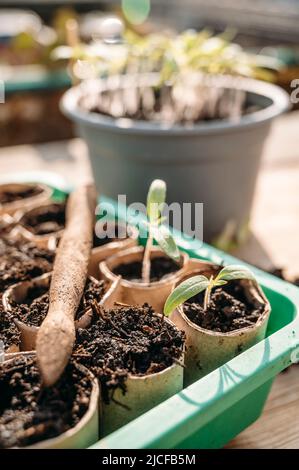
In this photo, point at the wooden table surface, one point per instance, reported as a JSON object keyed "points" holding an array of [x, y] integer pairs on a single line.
{"points": [[274, 241]]}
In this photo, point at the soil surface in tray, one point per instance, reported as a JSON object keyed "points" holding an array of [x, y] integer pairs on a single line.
{"points": [[12, 196], [9, 333], [228, 310], [160, 268], [45, 220], [35, 307], [19, 262], [127, 339], [28, 413]]}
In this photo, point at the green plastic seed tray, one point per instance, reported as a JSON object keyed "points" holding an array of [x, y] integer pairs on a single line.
{"points": [[213, 410], [216, 408]]}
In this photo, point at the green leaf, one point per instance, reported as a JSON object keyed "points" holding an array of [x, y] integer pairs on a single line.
{"points": [[218, 283], [155, 200], [229, 273], [186, 290], [166, 241]]}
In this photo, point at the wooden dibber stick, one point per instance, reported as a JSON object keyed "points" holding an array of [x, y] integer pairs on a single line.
{"points": [[56, 336]]}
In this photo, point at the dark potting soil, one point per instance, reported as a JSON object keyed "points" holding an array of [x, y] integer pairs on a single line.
{"points": [[127, 339], [35, 308], [11, 196], [19, 262], [228, 309], [28, 413], [160, 268], [9, 333], [45, 220]]}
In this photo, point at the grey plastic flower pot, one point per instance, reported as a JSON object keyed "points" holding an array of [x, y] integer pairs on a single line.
{"points": [[209, 162]]}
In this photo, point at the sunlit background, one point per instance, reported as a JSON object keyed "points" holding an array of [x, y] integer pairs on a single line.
{"points": [[31, 31]]}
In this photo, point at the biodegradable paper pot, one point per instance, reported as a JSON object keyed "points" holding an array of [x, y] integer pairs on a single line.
{"points": [[100, 253], [86, 432], [26, 203], [18, 293], [214, 162], [7, 222], [206, 350], [14, 348], [142, 394], [136, 293], [42, 241]]}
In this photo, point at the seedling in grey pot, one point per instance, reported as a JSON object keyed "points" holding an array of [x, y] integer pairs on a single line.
{"points": [[197, 284], [156, 230]]}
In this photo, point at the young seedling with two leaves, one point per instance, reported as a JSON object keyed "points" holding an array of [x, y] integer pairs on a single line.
{"points": [[196, 284], [156, 230]]}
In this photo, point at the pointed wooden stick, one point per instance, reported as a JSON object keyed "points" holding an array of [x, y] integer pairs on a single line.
{"points": [[56, 335]]}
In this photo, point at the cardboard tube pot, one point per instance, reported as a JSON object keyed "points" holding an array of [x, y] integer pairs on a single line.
{"points": [[142, 394], [106, 250], [18, 293], [86, 431], [207, 350], [136, 293], [13, 347], [7, 223], [22, 229], [25, 203]]}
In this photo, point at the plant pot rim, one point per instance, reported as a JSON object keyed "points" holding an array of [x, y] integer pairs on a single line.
{"points": [[262, 318], [280, 103], [93, 404], [45, 193], [104, 268], [6, 301], [26, 232]]}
